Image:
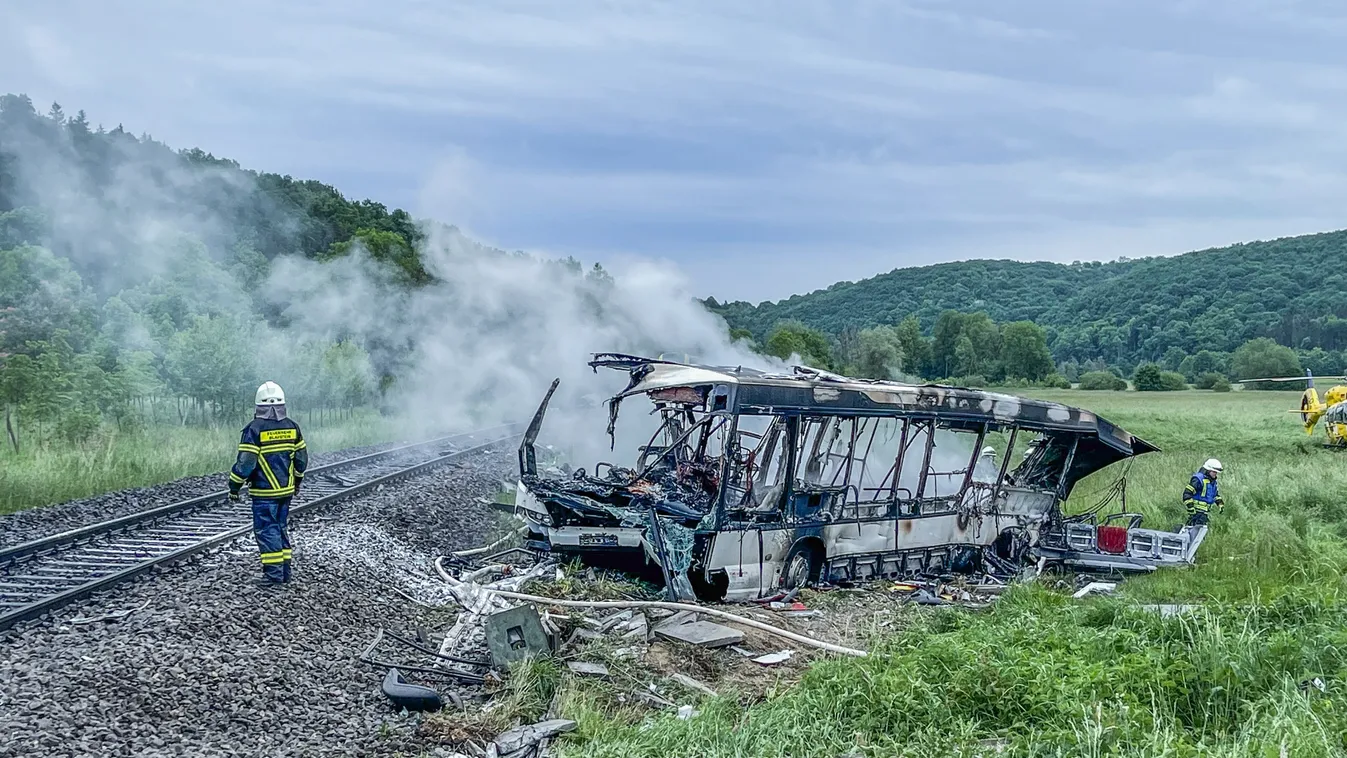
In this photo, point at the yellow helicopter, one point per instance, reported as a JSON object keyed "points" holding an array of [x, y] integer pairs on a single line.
{"points": [[1331, 409]]}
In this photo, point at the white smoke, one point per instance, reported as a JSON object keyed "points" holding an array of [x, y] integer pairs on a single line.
{"points": [[484, 341]]}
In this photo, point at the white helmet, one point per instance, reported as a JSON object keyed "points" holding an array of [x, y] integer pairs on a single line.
{"points": [[270, 393], [1212, 465], [989, 451]]}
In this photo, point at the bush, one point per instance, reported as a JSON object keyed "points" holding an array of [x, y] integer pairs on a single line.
{"points": [[1056, 381], [1221, 384], [1172, 381], [1208, 380], [1147, 378], [1102, 380]]}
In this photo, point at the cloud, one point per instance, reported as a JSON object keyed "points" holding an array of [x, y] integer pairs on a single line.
{"points": [[719, 135]]}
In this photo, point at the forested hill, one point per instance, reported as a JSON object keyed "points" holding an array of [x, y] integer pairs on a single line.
{"points": [[1122, 312], [141, 284], [92, 195]]}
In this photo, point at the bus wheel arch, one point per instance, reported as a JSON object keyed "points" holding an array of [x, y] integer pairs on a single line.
{"points": [[803, 564]]}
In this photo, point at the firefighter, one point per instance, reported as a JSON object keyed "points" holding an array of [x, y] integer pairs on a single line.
{"points": [[271, 462], [1201, 493]]}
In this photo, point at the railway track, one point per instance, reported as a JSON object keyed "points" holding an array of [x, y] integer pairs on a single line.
{"points": [[41, 575]]}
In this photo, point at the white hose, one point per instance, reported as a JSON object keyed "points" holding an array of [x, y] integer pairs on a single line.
{"points": [[800, 638], [492, 546]]}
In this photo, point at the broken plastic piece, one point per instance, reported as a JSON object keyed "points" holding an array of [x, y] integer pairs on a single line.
{"points": [[772, 659], [1096, 588], [410, 697]]}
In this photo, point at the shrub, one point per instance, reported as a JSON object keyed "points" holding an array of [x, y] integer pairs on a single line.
{"points": [[1102, 380], [1172, 381], [1221, 384], [1056, 381], [1147, 378], [1208, 380]]}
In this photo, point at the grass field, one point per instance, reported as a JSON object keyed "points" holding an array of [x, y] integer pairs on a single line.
{"points": [[117, 460], [1041, 674]]}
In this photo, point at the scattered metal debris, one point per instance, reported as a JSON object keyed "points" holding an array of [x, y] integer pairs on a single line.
{"points": [[523, 738], [457, 674]]}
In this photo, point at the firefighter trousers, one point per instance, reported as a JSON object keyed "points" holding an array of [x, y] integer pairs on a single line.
{"points": [[271, 518]]}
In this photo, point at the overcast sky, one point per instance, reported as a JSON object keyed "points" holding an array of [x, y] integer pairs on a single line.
{"points": [[769, 147]]}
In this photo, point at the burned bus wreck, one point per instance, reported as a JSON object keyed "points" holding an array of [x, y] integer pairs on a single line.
{"points": [[759, 481]]}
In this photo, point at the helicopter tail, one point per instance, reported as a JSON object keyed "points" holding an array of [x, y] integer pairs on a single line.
{"points": [[1311, 409]]}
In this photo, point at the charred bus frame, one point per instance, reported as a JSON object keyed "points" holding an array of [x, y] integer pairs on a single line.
{"points": [[757, 481]]}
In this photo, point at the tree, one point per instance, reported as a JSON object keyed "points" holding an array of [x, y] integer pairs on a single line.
{"points": [[1024, 351], [394, 250], [793, 338], [211, 362], [18, 383], [879, 353], [915, 349], [1173, 358], [966, 359], [1205, 361], [1262, 357]]}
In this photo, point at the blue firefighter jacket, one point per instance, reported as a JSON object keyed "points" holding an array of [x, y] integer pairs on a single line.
{"points": [[1200, 494], [272, 459]]}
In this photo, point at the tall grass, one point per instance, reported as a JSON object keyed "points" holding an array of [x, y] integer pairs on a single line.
{"points": [[113, 459], [1041, 674]]}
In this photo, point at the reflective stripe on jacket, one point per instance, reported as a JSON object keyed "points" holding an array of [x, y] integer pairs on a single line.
{"points": [[271, 460], [1200, 494]]}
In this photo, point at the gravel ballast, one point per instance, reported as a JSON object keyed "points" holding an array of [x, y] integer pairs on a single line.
{"points": [[30, 524], [214, 665]]}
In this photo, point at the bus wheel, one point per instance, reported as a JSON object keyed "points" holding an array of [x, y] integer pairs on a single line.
{"points": [[801, 567]]}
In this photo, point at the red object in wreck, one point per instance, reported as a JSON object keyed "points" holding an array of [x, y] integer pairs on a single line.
{"points": [[1112, 539]]}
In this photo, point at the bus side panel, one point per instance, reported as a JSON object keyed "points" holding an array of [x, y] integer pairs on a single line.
{"points": [[738, 552]]}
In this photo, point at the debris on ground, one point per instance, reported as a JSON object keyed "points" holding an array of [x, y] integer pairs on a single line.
{"points": [[693, 684], [584, 668], [410, 697], [701, 633], [1096, 588], [513, 742], [616, 639], [772, 659], [1167, 610]]}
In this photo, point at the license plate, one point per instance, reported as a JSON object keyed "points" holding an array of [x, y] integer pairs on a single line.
{"points": [[598, 540]]}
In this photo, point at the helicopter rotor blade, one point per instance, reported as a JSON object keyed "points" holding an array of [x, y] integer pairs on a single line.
{"points": [[1281, 379]]}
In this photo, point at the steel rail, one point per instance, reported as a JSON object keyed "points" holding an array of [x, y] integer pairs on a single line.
{"points": [[72, 539], [41, 545]]}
